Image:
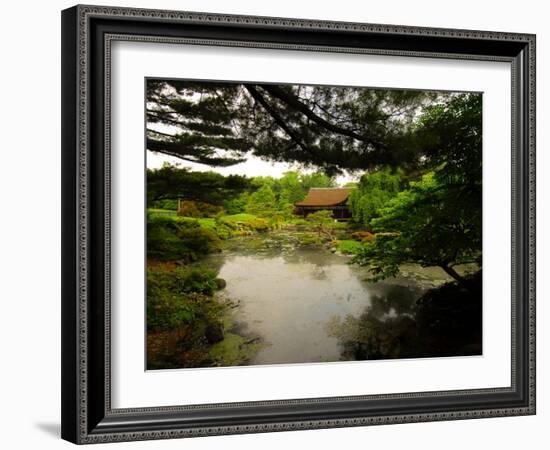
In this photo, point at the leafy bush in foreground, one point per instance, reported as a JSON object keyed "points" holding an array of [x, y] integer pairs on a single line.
{"points": [[179, 297], [170, 240]]}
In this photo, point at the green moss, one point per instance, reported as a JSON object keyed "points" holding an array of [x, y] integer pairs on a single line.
{"points": [[233, 350]]}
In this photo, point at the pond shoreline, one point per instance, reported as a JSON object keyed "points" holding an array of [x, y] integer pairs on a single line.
{"points": [[245, 263], [283, 296]]}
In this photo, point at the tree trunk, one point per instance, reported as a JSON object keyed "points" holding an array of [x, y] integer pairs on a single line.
{"points": [[454, 274]]}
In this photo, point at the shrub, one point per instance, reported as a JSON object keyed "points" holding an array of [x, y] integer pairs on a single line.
{"points": [[166, 203], [308, 239], [183, 318], [227, 226], [224, 231], [363, 236], [349, 247], [169, 239], [190, 208], [259, 224], [179, 297]]}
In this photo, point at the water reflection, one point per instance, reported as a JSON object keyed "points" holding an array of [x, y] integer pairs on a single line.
{"points": [[289, 301], [403, 323], [309, 305]]}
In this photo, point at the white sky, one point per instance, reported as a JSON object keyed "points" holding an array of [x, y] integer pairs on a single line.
{"points": [[252, 167]]}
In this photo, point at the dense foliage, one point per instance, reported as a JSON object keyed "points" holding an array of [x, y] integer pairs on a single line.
{"points": [[183, 317], [372, 193], [332, 128], [176, 297], [208, 194], [275, 197], [172, 182], [169, 239], [422, 225], [436, 221], [189, 208]]}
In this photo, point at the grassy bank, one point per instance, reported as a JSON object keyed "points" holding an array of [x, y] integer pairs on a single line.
{"points": [[188, 325]]}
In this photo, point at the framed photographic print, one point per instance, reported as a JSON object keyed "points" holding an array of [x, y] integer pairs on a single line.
{"points": [[280, 224]]}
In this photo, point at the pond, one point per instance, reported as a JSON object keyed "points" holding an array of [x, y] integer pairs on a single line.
{"points": [[293, 298]]}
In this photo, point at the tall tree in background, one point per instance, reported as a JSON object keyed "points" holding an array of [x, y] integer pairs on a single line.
{"points": [[261, 202], [372, 194], [171, 182]]}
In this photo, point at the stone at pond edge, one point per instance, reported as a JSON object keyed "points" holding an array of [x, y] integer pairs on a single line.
{"points": [[214, 332], [220, 283]]}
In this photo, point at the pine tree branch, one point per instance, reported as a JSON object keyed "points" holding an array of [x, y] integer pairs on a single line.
{"points": [[278, 119], [149, 130], [295, 103]]}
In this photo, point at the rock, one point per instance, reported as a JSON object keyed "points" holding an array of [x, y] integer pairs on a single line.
{"points": [[214, 333], [220, 283]]}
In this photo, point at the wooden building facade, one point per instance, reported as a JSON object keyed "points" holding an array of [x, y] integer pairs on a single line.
{"points": [[333, 199]]}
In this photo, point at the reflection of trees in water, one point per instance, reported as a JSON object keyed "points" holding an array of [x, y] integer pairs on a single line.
{"points": [[389, 299], [214, 262], [285, 246], [444, 321], [317, 257]]}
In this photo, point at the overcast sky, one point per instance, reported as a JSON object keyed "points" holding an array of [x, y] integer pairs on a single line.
{"points": [[252, 167]]}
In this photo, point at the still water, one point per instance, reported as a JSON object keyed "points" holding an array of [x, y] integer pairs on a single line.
{"points": [[289, 297]]}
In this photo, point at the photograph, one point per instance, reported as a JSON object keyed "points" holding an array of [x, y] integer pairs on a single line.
{"points": [[299, 224]]}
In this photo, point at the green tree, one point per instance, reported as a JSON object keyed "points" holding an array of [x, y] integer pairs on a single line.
{"points": [[236, 205], [437, 221], [448, 138], [172, 182], [372, 193], [316, 180], [321, 220], [285, 204], [426, 225], [291, 188], [262, 202]]}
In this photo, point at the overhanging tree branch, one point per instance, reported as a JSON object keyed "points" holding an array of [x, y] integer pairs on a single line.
{"points": [[278, 119], [296, 104]]}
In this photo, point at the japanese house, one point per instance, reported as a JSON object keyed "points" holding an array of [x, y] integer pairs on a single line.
{"points": [[333, 199]]}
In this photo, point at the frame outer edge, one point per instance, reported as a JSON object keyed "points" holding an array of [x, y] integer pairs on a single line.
{"points": [[296, 23], [69, 289], [75, 185], [532, 142]]}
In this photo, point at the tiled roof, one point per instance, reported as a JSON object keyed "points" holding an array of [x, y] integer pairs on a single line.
{"points": [[325, 197]]}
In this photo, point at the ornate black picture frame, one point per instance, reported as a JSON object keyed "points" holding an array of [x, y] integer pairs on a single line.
{"points": [[87, 34]]}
